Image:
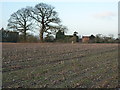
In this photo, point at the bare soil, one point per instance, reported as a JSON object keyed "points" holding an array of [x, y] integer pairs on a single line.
{"points": [[56, 65]]}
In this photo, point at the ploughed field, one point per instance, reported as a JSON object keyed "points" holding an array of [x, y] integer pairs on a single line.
{"points": [[36, 65]]}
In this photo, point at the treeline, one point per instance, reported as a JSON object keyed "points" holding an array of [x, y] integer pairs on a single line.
{"points": [[106, 39], [13, 36], [99, 38]]}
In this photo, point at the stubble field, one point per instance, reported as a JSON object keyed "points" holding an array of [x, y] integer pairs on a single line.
{"points": [[36, 65]]}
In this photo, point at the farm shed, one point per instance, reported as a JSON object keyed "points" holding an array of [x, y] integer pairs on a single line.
{"points": [[8, 36], [85, 39], [61, 37]]}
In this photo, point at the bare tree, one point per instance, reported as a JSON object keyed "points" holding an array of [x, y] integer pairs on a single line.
{"points": [[46, 17], [20, 21]]}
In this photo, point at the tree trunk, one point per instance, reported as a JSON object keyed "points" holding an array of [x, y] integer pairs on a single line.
{"points": [[25, 36], [42, 30], [41, 35], [24, 32]]}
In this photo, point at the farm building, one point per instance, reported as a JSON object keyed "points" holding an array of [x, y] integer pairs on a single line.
{"points": [[85, 39], [88, 39], [8, 36], [61, 37]]}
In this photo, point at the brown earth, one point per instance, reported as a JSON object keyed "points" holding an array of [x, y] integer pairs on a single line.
{"points": [[38, 65]]}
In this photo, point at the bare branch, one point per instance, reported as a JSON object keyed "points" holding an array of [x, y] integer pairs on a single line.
{"points": [[20, 21]]}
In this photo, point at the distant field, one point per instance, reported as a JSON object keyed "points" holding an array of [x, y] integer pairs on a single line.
{"points": [[35, 65]]}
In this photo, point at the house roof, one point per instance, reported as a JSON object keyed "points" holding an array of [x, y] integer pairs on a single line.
{"points": [[85, 36]]}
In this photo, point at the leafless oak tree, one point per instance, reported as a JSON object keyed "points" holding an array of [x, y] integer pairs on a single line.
{"points": [[20, 21], [46, 17]]}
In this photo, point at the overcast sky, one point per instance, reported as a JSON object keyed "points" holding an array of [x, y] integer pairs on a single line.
{"points": [[84, 16]]}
